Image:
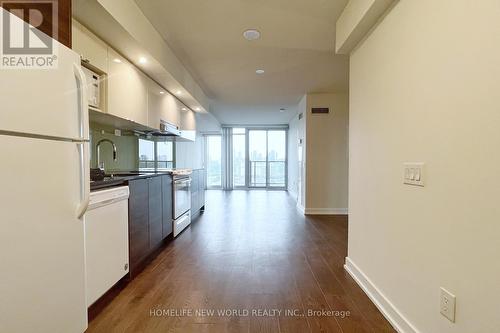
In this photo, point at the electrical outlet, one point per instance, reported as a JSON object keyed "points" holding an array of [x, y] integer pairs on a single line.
{"points": [[448, 304], [413, 174]]}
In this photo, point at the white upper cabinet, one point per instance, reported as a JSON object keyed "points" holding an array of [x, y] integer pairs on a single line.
{"points": [[188, 120], [162, 106], [91, 49], [127, 90], [188, 124]]}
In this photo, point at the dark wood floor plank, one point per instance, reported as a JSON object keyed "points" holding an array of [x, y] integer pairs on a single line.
{"points": [[349, 317], [249, 250], [329, 226]]}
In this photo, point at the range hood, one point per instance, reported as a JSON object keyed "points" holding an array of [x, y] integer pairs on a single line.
{"points": [[167, 129], [172, 130]]}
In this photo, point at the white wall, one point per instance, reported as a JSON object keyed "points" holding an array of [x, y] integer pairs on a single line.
{"points": [[293, 159], [424, 87], [296, 165], [192, 154], [318, 178], [326, 155], [207, 123], [292, 150]]}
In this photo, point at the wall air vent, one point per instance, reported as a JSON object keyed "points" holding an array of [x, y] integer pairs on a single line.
{"points": [[320, 110]]}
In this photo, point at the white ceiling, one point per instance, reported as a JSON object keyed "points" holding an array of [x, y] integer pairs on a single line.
{"points": [[296, 50]]}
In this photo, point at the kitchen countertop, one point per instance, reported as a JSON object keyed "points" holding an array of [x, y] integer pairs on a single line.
{"points": [[121, 178]]}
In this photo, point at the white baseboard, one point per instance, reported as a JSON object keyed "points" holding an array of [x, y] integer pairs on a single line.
{"points": [[326, 211], [390, 312]]}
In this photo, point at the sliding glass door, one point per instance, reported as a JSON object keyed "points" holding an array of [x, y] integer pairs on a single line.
{"points": [[267, 158], [244, 158], [276, 158], [257, 148]]}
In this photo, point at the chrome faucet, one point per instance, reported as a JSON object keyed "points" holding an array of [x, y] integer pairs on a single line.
{"points": [[100, 164]]}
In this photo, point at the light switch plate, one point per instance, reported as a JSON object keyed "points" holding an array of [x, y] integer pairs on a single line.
{"points": [[447, 304], [413, 173]]}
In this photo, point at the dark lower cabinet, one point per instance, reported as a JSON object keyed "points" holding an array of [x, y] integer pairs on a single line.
{"points": [[197, 191], [194, 192], [166, 185], [150, 218], [138, 206], [201, 189], [155, 212]]}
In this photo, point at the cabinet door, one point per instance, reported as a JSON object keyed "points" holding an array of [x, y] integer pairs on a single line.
{"points": [[92, 50], [162, 106], [201, 188], [194, 191], [198, 198], [155, 212], [166, 187], [127, 90], [138, 222]]}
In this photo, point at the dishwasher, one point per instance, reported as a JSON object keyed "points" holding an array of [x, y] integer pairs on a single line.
{"points": [[106, 241]]}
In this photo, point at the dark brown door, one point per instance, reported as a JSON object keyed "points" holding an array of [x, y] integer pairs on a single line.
{"points": [[58, 27]]}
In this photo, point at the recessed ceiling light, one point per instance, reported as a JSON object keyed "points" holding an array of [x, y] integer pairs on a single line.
{"points": [[197, 109], [178, 92], [184, 109], [162, 92], [251, 34], [143, 60], [260, 71], [118, 61]]}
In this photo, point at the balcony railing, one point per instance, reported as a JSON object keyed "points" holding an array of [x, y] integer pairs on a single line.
{"points": [[151, 165], [267, 173]]}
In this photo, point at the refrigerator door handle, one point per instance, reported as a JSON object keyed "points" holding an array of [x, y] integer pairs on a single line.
{"points": [[84, 179], [84, 108], [84, 146]]}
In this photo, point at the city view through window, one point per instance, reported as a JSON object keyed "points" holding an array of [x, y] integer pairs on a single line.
{"points": [[266, 158], [164, 158]]}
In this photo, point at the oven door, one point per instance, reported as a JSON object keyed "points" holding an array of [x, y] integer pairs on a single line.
{"points": [[182, 196]]}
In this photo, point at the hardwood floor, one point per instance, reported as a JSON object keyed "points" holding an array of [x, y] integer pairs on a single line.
{"points": [[250, 251]]}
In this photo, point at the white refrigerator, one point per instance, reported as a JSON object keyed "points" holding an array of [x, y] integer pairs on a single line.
{"points": [[44, 192]]}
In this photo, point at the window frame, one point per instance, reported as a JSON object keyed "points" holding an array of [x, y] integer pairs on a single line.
{"points": [[244, 135], [155, 152], [166, 161]]}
